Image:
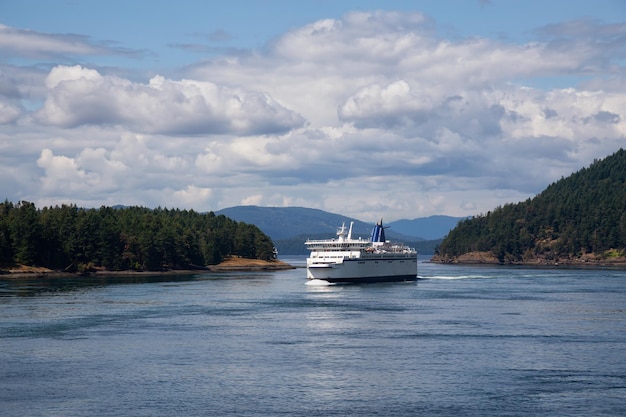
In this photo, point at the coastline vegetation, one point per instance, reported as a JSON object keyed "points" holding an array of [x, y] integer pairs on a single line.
{"points": [[578, 219], [72, 239]]}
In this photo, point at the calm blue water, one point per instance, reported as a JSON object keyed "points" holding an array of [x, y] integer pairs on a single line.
{"points": [[476, 341]]}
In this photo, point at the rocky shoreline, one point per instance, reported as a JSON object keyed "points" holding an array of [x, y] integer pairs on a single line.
{"points": [[229, 264], [488, 258]]}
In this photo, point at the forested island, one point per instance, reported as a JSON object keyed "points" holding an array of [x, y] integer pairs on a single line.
{"points": [[76, 240], [580, 219]]}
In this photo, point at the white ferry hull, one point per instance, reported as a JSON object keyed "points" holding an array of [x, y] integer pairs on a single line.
{"points": [[360, 270]]}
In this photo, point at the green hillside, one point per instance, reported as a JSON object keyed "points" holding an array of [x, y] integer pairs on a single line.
{"points": [[581, 218]]}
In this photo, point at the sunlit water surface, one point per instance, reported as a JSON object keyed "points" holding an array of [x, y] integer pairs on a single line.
{"points": [[480, 341]]}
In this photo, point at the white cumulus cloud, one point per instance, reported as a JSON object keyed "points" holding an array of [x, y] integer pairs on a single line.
{"points": [[80, 96], [370, 114]]}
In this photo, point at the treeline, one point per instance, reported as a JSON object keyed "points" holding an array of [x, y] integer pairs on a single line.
{"points": [[128, 238], [584, 213]]}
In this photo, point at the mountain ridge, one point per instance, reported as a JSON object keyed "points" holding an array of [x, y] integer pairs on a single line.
{"points": [[289, 222]]}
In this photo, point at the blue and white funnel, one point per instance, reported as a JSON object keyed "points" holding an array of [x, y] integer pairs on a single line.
{"points": [[378, 233]]}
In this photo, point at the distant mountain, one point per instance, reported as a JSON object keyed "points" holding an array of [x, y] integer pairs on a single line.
{"points": [[289, 227], [289, 222], [429, 228]]}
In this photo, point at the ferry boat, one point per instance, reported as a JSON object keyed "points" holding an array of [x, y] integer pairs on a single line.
{"points": [[345, 259]]}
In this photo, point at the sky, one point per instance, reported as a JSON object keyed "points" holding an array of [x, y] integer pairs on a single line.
{"points": [[369, 109]]}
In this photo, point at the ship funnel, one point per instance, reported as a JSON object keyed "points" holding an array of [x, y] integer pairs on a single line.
{"points": [[378, 233]]}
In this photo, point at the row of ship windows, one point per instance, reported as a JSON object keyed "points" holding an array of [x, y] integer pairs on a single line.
{"points": [[338, 245], [360, 262], [363, 262]]}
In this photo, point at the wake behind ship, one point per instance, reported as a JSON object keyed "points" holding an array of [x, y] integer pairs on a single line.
{"points": [[344, 259]]}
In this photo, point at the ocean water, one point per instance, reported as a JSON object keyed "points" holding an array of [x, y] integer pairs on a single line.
{"points": [[461, 341]]}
